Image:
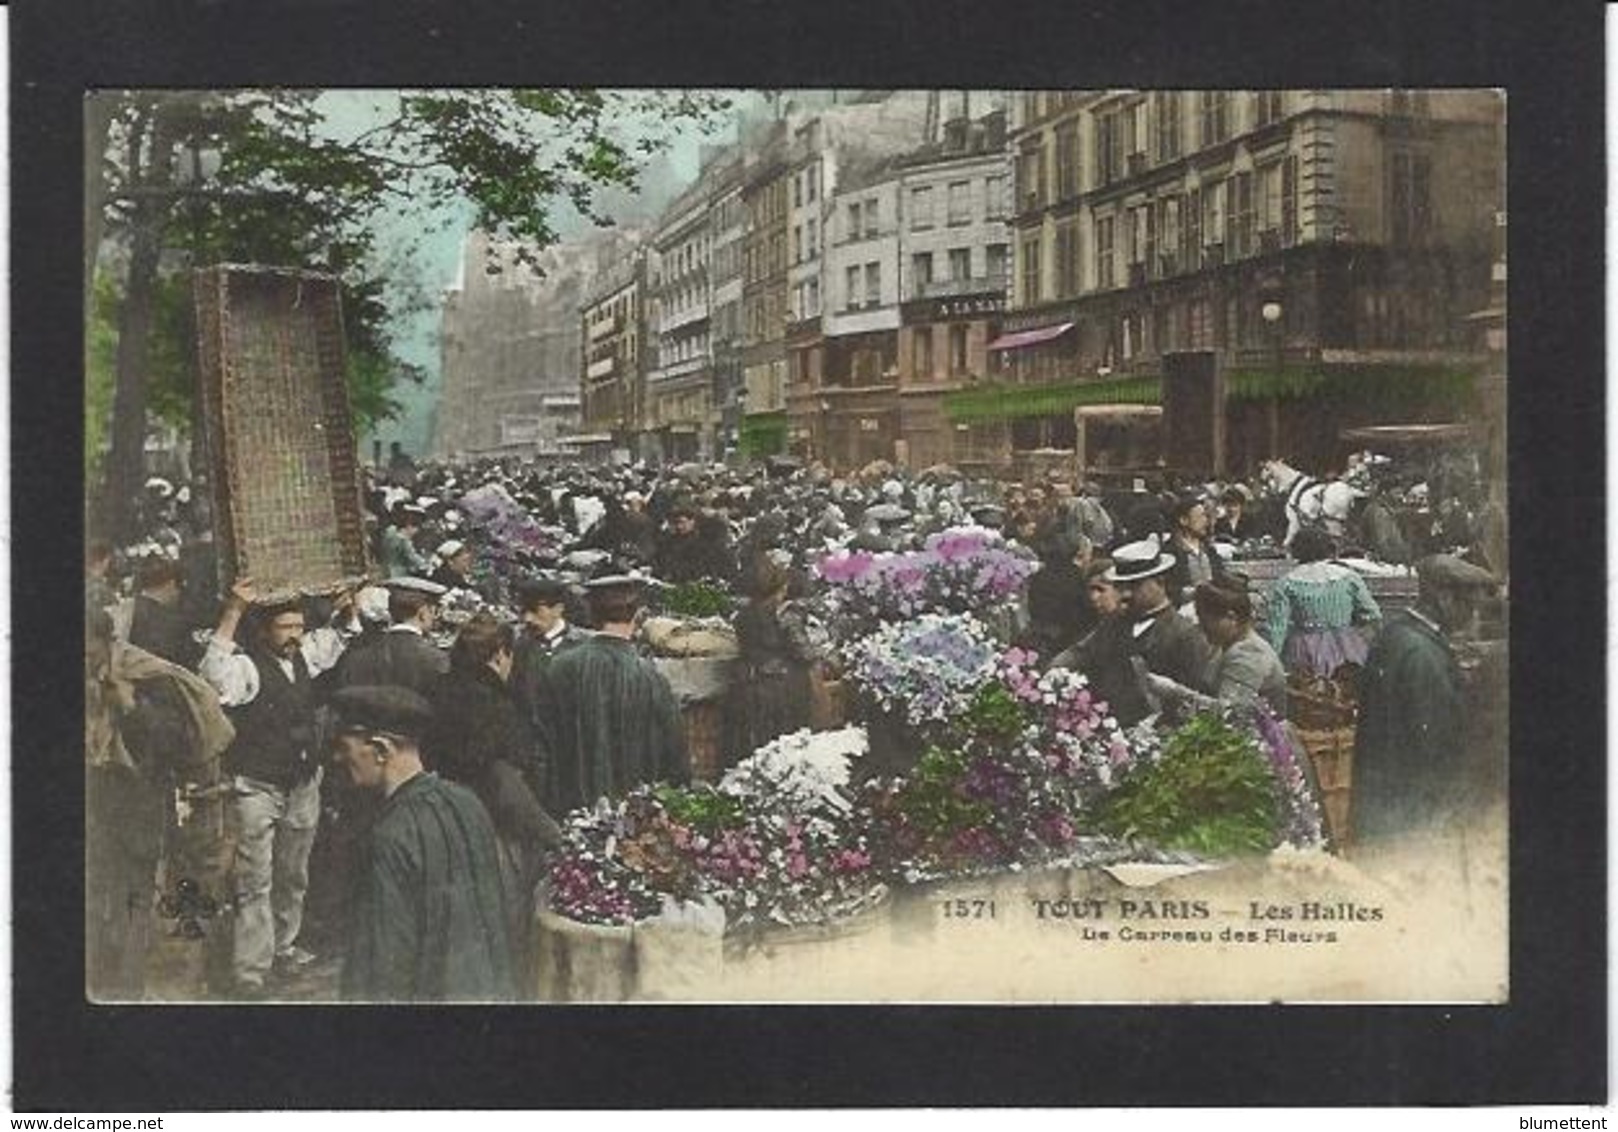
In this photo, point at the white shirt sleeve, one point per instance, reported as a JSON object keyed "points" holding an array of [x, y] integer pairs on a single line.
{"points": [[324, 646], [232, 674]]}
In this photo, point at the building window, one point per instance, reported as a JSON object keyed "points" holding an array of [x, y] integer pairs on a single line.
{"points": [[797, 192], [870, 216], [1109, 147], [1201, 330], [960, 263], [1030, 271], [957, 348], [921, 272], [814, 298], [921, 209], [1215, 106], [854, 221], [1067, 162], [812, 177], [1266, 108], [1135, 136], [1409, 197], [1168, 125], [873, 284], [994, 190], [797, 243], [1166, 261], [1213, 216], [1104, 272], [1289, 202], [960, 203], [922, 339], [814, 247], [1067, 261], [1030, 179], [853, 289], [1240, 208], [996, 264], [1191, 231]]}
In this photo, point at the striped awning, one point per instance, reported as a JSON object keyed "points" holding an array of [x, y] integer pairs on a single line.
{"points": [[1030, 337]]}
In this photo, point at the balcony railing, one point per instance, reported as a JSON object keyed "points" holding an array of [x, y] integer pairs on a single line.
{"points": [[951, 288]]}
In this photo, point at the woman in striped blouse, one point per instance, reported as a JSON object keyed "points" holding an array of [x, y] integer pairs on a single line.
{"points": [[1318, 611]]}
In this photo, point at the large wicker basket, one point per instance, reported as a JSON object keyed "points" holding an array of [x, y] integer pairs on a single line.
{"points": [[1323, 714], [273, 405]]}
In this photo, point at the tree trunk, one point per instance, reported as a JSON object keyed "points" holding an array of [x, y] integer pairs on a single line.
{"points": [[126, 462]]}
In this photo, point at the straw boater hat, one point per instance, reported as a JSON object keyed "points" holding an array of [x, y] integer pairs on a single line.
{"points": [[1138, 561]]}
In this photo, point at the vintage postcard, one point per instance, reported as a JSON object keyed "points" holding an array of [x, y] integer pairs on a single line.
{"points": [[1017, 547]]}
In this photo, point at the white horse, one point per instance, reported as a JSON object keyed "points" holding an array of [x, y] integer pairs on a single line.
{"points": [[1310, 501]]}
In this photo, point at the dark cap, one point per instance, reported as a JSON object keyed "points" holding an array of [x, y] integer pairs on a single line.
{"points": [[531, 592], [416, 585], [382, 707]]}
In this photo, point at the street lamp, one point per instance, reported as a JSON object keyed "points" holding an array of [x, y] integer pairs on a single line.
{"points": [[825, 436], [1272, 312]]}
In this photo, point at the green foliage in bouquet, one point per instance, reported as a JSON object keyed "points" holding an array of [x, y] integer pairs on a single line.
{"points": [[1210, 792], [702, 808], [932, 799], [995, 715], [697, 599]]}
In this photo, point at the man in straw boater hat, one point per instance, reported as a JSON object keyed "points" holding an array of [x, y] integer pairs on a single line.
{"points": [[606, 718], [1411, 757], [1169, 643], [429, 914]]}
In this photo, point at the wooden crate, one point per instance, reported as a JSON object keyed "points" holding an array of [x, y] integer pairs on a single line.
{"points": [[275, 418]]}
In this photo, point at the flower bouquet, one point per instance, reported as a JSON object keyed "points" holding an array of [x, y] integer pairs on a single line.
{"points": [[1218, 787], [772, 845], [961, 570]]}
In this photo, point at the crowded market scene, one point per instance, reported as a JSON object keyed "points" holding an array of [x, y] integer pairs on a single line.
{"points": [[693, 655]]}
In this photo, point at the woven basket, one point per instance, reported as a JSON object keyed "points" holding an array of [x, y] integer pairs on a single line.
{"points": [[1331, 750], [273, 404]]}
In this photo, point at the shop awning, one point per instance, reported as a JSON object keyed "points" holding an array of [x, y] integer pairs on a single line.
{"points": [[1011, 402], [1030, 337]]}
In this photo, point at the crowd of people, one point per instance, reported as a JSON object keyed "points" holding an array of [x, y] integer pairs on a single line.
{"points": [[398, 759]]}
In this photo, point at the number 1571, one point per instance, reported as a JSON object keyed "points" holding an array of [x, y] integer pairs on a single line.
{"points": [[969, 909]]}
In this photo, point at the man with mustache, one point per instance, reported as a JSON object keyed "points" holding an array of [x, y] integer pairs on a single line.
{"points": [[266, 687]]}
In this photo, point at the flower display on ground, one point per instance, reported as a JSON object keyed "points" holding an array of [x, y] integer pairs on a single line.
{"points": [[772, 844]]}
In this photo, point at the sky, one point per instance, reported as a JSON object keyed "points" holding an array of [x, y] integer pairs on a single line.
{"points": [[435, 253]]}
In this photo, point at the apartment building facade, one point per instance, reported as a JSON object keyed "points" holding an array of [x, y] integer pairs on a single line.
{"points": [[1294, 262]]}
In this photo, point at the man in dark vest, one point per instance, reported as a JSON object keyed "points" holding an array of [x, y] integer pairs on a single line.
{"points": [[276, 762]]}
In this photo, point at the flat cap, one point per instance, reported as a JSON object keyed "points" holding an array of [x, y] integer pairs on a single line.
{"points": [[382, 707], [417, 585]]}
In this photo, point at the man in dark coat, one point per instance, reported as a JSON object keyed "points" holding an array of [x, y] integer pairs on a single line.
{"points": [[401, 655], [688, 553], [543, 631], [480, 739], [1195, 559], [1059, 613], [429, 916], [157, 624], [1104, 655], [1410, 749], [608, 720]]}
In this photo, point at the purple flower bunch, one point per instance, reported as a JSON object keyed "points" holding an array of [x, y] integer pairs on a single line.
{"points": [[1071, 729], [926, 670], [961, 570], [1301, 824]]}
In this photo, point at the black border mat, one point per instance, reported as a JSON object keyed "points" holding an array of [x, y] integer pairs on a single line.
{"points": [[1548, 1045]]}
